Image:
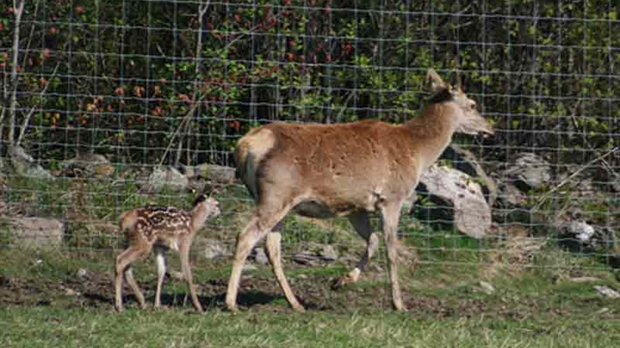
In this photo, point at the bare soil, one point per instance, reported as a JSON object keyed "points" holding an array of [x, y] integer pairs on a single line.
{"points": [[95, 290]]}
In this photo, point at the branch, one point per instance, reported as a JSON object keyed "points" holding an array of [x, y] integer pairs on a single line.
{"points": [[202, 9], [584, 167], [32, 27], [176, 132], [18, 17], [29, 115]]}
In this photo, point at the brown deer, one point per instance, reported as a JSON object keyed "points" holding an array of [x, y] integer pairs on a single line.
{"points": [[160, 229], [349, 169]]}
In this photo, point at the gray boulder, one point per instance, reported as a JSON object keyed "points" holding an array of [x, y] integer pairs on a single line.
{"points": [[88, 165], [451, 198], [25, 165], [212, 248], [528, 172], [511, 204], [33, 231], [466, 162], [215, 173], [315, 254], [260, 256], [166, 177]]}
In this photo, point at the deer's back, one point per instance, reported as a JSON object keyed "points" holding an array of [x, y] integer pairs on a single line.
{"points": [[343, 166]]}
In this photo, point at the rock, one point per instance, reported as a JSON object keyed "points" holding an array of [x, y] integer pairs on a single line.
{"points": [[166, 177], [260, 256], [213, 248], [24, 165], [249, 268], [216, 173], [316, 254], [307, 258], [466, 162], [103, 170], [34, 231], [614, 182], [510, 196], [584, 279], [529, 171], [84, 160], [578, 236], [510, 205], [606, 291], [581, 230], [81, 273], [88, 164], [487, 288], [70, 292], [189, 171], [328, 253], [176, 275], [450, 197]]}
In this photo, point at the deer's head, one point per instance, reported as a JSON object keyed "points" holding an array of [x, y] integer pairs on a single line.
{"points": [[468, 119]]}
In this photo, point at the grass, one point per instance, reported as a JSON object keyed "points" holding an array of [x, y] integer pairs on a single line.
{"points": [[536, 308], [56, 327], [535, 303]]}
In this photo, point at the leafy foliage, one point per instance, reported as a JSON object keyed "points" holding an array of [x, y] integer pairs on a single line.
{"points": [[137, 78]]}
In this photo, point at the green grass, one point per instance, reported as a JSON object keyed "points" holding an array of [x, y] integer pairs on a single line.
{"points": [[534, 308], [57, 327], [535, 303]]}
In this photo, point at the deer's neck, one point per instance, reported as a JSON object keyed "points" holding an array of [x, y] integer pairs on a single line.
{"points": [[199, 217], [432, 131]]}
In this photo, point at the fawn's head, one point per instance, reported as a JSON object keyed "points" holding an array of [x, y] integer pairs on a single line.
{"points": [[209, 205], [469, 120]]}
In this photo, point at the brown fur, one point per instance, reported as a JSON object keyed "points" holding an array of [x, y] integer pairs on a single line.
{"points": [[162, 229], [349, 169]]}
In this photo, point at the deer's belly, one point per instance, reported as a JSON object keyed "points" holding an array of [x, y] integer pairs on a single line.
{"points": [[320, 210]]}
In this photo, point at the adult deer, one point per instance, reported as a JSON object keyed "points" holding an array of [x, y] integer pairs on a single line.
{"points": [[349, 169]]}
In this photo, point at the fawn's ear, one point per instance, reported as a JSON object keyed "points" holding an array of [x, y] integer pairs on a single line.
{"points": [[201, 198]]}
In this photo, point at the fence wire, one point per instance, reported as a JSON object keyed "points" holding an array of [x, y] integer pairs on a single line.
{"points": [[98, 97]]}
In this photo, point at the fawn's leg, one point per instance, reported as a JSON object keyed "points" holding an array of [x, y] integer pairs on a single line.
{"points": [[134, 286], [124, 260], [160, 260]]}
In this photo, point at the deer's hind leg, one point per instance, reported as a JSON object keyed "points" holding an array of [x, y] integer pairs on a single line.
{"points": [[187, 273], [390, 215], [272, 248], [361, 223], [257, 228]]}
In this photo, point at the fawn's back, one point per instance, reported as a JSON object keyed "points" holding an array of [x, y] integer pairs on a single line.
{"points": [[156, 224]]}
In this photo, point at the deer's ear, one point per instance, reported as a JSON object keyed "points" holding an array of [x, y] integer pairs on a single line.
{"points": [[437, 84], [456, 81]]}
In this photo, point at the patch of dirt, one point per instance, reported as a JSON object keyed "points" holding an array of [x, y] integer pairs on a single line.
{"points": [[95, 290]]}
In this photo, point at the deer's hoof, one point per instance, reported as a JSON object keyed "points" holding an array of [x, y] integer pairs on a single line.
{"points": [[341, 282]]}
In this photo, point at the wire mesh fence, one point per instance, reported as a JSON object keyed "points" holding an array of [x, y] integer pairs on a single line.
{"points": [[109, 105]]}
